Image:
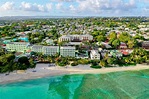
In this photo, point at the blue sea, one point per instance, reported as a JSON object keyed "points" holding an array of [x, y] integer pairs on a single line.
{"points": [[117, 85]]}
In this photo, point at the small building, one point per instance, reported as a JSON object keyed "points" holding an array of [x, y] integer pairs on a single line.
{"points": [[25, 39], [83, 54], [6, 41], [67, 51], [37, 48], [49, 41], [106, 45], [125, 53], [123, 45], [94, 54], [17, 27], [116, 53], [50, 50], [75, 43], [17, 46], [145, 44]]}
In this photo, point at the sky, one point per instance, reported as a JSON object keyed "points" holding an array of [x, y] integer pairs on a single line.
{"points": [[74, 8]]}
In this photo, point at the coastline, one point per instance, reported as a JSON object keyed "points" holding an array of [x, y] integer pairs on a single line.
{"points": [[42, 70]]}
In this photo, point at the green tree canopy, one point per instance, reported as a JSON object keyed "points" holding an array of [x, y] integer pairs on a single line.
{"points": [[110, 61], [124, 37], [112, 36], [101, 38], [23, 59], [116, 43], [131, 43]]}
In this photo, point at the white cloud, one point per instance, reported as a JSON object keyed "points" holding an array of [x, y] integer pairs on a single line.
{"points": [[63, 0], [59, 6], [146, 1], [100, 6], [36, 7], [77, 7], [49, 6], [72, 8], [25, 8], [32, 7], [7, 6], [67, 0], [146, 9]]}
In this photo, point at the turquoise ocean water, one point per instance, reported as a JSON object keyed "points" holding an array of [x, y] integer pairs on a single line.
{"points": [[118, 85]]}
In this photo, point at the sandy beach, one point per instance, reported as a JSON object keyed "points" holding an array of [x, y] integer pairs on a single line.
{"points": [[43, 70]]}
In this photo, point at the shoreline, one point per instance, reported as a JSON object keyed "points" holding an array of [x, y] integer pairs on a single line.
{"points": [[44, 71]]}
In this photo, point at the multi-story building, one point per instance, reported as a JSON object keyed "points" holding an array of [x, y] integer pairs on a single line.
{"points": [[76, 38], [94, 54], [65, 38], [37, 48], [86, 37], [50, 50], [17, 46], [46, 50], [67, 51]]}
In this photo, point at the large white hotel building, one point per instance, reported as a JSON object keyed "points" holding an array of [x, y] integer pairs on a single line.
{"points": [[46, 50]]}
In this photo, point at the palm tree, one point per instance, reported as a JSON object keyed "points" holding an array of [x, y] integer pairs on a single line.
{"points": [[50, 59], [102, 63], [40, 56]]}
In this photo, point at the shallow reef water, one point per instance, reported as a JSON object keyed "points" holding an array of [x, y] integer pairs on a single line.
{"points": [[116, 85]]}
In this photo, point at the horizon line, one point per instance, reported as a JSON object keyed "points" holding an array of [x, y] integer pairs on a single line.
{"points": [[72, 16]]}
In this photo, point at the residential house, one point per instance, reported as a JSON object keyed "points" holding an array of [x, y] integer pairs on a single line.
{"points": [[116, 53], [94, 54], [123, 45], [49, 41], [106, 45], [145, 44]]}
